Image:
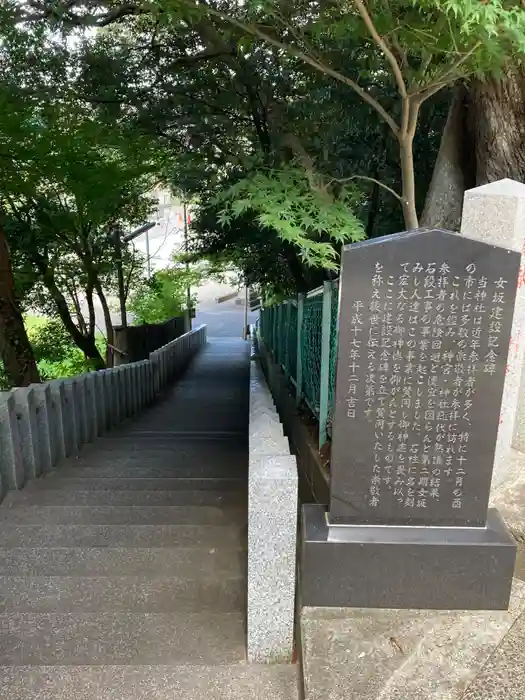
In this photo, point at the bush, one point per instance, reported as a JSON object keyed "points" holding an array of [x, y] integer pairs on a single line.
{"points": [[162, 297], [56, 354]]}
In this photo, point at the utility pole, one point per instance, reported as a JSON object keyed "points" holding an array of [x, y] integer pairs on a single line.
{"points": [[117, 241], [188, 291], [121, 291], [148, 259]]}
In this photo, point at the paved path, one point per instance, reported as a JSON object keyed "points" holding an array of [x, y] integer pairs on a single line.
{"points": [[123, 573]]}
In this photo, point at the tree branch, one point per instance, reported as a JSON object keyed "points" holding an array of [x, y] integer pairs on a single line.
{"points": [[383, 46], [447, 77], [315, 63], [367, 179]]}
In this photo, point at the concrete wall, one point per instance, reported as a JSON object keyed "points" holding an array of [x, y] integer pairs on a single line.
{"points": [[139, 341]]}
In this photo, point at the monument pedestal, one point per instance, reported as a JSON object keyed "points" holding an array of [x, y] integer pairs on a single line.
{"points": [[405, 567]]}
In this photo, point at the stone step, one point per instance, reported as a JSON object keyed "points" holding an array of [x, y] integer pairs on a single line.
{"points": [[175, 453], [137, 441], [167, 438], [185, 562], [147, 469], [142, 497], [64, 594], [121, 638], [15, 512], [227, 682], [200, 536], [137, 484]]}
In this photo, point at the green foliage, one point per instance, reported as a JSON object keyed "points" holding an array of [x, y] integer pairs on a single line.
{"points": [[164, 296], [68, 179], [301, 212], [265, 110], [55, 353]]}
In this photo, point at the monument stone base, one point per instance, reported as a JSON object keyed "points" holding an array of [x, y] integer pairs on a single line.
{"points": [[405, 567], [367, 654]]}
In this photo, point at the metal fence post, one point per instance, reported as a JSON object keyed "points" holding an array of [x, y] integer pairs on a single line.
{"points": [[299, 369], [274, 331], [279, 334], [287, 340], [324, 379]]}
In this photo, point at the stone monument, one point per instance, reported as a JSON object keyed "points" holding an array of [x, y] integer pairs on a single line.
{"points": [[424, 328]]}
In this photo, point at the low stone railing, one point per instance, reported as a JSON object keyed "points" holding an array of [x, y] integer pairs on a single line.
{"points": [[43, 424], [272, 530]]}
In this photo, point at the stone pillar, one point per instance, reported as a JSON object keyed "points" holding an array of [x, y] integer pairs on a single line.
{"points": [[495, 214], [48, 426], [91, 406], [123, 393], [142, 384], [116, 399], [154, 373], [72, 416], [61, 420], [150, 382], [100, 400], [107, 381], [26, 415], [134, 379], [163, 357], [518, 438], [128, 383], [120, 393], [80, 394], [11, 463]]}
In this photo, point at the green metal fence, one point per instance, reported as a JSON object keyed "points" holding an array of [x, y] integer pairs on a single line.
{"points": [[302, 337]]}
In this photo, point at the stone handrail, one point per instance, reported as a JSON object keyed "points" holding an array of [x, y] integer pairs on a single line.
{"points": [[43, 424]]}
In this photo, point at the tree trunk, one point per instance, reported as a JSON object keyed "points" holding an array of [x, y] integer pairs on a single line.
{"points": [[497, 121], [483, 141], [454, 171], [110, 334], [78, 311], [408, 179], [86, 343], [91, 310], [15, 348]]}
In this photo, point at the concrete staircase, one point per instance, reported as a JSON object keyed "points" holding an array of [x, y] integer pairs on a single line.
{"points": [[123, 573]]}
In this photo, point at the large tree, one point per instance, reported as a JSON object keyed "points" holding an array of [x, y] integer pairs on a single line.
{"points": [[420, 47], [68, 185], [18, 361], [484, 141], [67, 180]]}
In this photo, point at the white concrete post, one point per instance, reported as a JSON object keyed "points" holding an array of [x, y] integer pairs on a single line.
{"points": [[91, 406], [107, 379], [26, 415], [11, 463], [59, 407], [495, 214], [117, 396], [100, 401], [80, 399], [71, 416], [48, 419]]}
